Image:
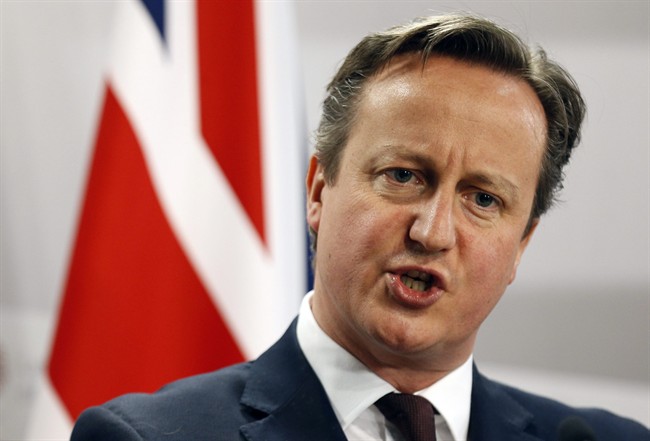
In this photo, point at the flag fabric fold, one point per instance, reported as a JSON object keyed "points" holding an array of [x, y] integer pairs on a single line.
{"points": [[190, 249]]}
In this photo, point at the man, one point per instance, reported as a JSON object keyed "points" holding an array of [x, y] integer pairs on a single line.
{"points": [[442, 143]]}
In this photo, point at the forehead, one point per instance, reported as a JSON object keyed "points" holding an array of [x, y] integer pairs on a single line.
{"points": [[444, 90], [443, 72]]}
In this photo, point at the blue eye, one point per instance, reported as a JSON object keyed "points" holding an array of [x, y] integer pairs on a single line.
{"points": [[401, 175], [484, 200]]}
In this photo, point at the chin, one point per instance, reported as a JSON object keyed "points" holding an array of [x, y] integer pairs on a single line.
{"points": [[403, 337]]}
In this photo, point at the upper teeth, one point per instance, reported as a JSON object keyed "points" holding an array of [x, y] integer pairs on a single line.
{"points": [[419, 275], [416, 280]]}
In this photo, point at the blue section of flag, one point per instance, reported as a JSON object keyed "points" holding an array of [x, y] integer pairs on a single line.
{"points": [[156, 9]]}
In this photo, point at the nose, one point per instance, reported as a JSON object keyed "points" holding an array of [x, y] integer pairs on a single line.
{"points": [[433, 228]]}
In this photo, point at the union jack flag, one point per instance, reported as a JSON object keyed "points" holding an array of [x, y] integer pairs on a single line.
{"points": [[190, 247]]}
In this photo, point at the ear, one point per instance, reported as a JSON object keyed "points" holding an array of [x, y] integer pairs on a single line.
{"points": [[522, 247], [315, 183]]}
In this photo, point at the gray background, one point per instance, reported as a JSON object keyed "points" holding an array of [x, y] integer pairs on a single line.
{"points": [[574, 325]]}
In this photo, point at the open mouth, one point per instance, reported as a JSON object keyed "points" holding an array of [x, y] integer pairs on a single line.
{"points": [[417, 280], [415, 289]]}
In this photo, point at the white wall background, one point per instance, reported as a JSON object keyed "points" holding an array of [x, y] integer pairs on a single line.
{"points": [[576, 323]]}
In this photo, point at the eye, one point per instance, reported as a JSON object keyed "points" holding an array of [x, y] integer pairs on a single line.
{"points": [[402, 184], [484, 200], [401, 175]]}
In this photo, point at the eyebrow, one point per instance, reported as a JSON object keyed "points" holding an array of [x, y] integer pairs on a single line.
{"points": [[391, 151]]}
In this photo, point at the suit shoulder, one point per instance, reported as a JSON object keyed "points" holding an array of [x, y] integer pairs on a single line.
{"points": [[224, 385], [179, 411], [550, 414]]}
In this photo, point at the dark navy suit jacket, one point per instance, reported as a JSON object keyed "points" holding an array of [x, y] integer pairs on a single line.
{"points": [[279, 397]]}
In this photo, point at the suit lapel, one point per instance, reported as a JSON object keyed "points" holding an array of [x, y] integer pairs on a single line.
{"points": [[497, 416], [284, 392]]}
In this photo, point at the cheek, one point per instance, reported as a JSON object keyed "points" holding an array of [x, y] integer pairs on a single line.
{"points": [[356, 235], [346, 232], [488, 274], [352, 219]]}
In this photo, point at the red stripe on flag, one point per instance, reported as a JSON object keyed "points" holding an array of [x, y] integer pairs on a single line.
{"points": [[229, 104], [135, 315]]}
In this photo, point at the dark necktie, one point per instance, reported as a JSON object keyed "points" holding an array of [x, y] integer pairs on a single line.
{"points": [[411, 414]]}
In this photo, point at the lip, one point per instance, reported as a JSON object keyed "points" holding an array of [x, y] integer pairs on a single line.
{"points": [[411, 298]]}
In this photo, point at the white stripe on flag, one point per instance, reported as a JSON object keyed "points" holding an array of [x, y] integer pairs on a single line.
{"points": [[285, 152], [49, 421]]}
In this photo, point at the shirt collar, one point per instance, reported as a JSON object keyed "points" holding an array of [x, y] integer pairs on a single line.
{"points": [[352, 387]]}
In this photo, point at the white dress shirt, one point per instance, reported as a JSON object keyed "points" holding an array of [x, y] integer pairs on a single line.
{"points": [[353, 389]]}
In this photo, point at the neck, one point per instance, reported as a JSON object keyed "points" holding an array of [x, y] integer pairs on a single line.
{"points": [[410, 375]]}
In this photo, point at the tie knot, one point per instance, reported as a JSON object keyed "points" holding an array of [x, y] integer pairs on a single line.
{"points": [[411, 414]]}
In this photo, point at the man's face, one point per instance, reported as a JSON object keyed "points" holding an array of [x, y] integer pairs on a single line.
{"points": [[423, 228]]}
